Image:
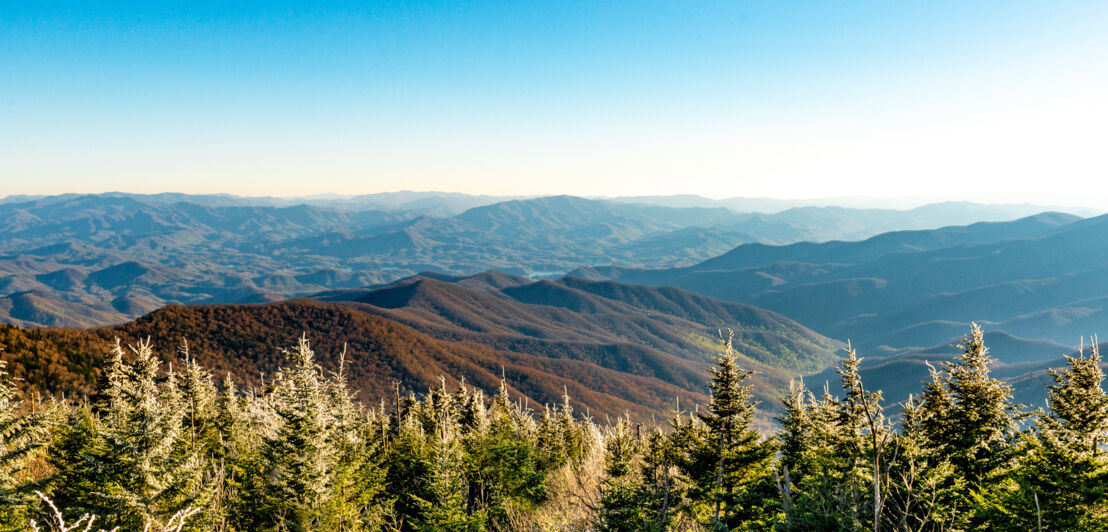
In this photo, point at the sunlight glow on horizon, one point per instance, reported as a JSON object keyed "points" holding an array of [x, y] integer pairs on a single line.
{"points": [[990, 101]]}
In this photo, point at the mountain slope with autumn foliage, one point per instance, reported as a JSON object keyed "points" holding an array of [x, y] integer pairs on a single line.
{"points": [[614, 348]]}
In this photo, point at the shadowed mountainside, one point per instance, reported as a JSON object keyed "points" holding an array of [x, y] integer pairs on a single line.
{"points": [[1039, 278]]}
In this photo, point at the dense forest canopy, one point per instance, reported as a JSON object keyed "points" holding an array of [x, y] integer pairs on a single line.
{"points": [[165, 447]]}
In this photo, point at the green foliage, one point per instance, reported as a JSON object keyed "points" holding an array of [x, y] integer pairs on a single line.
{"points": [[724, 458], [1078, 406], [967, 414], [1061, 478], [832, 447], [445, 505], [22, 434], [922, 491], [624, 499], [130, 461], [302, 453]]}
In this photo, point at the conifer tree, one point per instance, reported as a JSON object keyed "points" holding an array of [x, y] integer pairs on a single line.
{"points": [[78, 455], [22, 433], [967, 414], [235, 455], [922, 492], [300, 457], [503, 460], [834, 449], [662, 485], [1062, 478], [229, 422], [560, 439], [407, 465], [445, 507], [797, 430], [864, 430], [624, 501], [727, 463], [198, 400], [967, 417], [358, 484], [129, 464], [1077, 404], [444, 502]]}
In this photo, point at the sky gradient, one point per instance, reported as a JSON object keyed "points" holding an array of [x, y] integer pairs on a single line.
{"points": [[986, 101]]}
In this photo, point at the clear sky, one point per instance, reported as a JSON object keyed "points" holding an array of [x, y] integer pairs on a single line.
{"points": [[990, 101]]}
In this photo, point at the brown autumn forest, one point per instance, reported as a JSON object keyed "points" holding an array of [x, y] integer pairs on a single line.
{"points": [[246, 341]]}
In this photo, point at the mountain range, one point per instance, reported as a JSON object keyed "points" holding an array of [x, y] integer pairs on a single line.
{"points": [[1037, 277], [92, 260], [1037, 285], [632, 337]]}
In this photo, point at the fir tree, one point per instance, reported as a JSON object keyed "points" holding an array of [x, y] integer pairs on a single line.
{"points": [[444, 503], [968, 415], [1077, 404], [359, 476], [22, 434], [77, 455], [922, 492], [229, 422], [728, 462], [834, 449], [300, 457], [198, 400], [624, 500], [1062, 478], [797, 431], [660, 480], [863, 428], [503, 461], [129, 464]]}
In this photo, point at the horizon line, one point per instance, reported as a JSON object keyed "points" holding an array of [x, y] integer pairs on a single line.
{"points": [[906, 202]]}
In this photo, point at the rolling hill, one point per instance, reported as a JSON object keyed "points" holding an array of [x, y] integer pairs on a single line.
{"points": [[665, 333], [616, 348]]}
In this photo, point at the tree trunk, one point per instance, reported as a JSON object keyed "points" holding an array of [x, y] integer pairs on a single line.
{"points": [[719, 478]]}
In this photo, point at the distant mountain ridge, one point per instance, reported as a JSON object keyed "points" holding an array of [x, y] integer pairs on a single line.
{"points": [[1037, 284], [86, 260], [504, 304]]}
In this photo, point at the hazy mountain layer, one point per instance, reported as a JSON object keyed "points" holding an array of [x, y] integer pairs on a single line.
{"points": [[1042, 278], [76, 260]]}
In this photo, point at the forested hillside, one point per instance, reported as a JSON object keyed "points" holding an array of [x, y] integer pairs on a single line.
{"points": [[164, 447], [245, 341], [618, 348], [622, 327]]}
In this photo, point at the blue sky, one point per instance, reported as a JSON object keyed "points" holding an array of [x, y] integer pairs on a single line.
{"points": [[993, 101]]}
